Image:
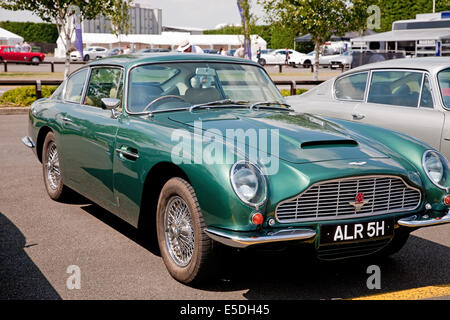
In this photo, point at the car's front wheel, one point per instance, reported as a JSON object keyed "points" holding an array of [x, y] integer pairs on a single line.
{"points": [[51, 169], [186, 250], [35, 61]]}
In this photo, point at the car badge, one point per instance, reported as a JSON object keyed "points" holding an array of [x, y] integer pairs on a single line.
{"points": [[359, 201]]}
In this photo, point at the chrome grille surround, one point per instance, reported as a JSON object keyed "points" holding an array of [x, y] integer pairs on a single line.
{"points": [[330, 199]]}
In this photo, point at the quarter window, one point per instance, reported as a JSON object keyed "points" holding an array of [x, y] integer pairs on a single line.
{"points": [[75, 85], [426, 99], [400, 88], [103, 83], [351, 87]]}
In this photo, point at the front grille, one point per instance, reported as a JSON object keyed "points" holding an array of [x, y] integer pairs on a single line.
{"points": [[332, 199]]}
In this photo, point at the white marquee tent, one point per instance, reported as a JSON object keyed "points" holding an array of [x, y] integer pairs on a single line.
{"points": [[9, 38], [166, 40]]}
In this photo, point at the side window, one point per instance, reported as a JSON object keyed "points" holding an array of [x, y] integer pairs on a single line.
{"points": [[426, 100], [399, 88], [103, 83], [75, 85], [351, 87]]}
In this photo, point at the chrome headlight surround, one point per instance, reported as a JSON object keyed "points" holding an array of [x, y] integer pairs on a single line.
{"points": [[248, 183], [436, 168]]}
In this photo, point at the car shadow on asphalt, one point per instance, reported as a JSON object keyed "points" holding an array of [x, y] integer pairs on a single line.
{"points": [[296, 274], [138, 236], [20, 278]]}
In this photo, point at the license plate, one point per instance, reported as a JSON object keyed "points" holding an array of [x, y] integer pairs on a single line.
{"points": [[335, 66], [356, 231]]}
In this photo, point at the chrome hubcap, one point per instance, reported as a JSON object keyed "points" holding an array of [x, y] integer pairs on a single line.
{"points": [[179, 232], [52, 167]]}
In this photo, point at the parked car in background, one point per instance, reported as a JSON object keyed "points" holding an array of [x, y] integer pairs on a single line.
{"points": [[310, 58], [410, 95], [127, 133], [113, 52], [278, 57], [152, 50], [11, 53], [344, 59], [210, 51], [90, 53]]}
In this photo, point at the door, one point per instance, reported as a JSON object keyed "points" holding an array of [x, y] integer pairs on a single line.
{"points": [[402, 100], [348, 92], [93, 133]]}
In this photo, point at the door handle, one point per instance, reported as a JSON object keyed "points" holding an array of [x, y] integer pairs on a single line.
{"points": [[358, 116], [67, 120], [128, 153]]}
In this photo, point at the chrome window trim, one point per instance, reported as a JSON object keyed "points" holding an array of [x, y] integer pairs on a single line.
{"points": [[127, 81], [89, 78], [67, 80], [349, 216], [346, 76], [428, 77], [398, 70]]}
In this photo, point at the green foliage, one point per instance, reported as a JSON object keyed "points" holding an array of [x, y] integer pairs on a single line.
{"points": [[393, 10], [287, 92], [25, 96], [32, 32], [120, 17]]}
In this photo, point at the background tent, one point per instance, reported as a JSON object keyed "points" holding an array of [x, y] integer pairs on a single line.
{"points": [[9, 38]]}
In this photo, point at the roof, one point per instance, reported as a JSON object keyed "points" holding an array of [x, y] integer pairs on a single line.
{"points": [[407, 35], [134, 59], [6, 35], [424, 63]]}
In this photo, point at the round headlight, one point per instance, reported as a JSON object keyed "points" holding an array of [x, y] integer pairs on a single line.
{"points": [[436, 167], [248, 183]]}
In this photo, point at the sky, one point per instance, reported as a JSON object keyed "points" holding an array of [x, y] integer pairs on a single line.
{"points": [[204, 14]]}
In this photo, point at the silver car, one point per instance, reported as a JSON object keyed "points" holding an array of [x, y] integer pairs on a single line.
{"points": [[409, 95]]}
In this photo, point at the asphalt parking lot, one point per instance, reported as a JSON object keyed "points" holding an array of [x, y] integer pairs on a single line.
{"points": [[40, 239]]}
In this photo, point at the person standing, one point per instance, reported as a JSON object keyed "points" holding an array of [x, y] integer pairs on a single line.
{"points": [[288, 57], [26, 47], [186, 46], [258, 55]]}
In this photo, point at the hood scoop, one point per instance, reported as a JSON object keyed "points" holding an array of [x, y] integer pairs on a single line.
{"points": [[328, 144]]}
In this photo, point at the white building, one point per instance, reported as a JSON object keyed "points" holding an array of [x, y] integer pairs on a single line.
{"points": [[427, 35]]}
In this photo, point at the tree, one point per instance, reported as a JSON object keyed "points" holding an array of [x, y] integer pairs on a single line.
{"points": [[119, 17], [61, 13], [248, 21], [319, 18]]}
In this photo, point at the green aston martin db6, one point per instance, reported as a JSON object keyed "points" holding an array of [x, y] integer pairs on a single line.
{"points": [[202, 150]]}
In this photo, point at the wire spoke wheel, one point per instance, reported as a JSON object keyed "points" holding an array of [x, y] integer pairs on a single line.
{"points": [[52, 167], [179, 232]]}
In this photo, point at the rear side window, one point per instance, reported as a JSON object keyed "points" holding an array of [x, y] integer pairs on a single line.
{"points": [[75, 85], [351, 87], [399, 88]]}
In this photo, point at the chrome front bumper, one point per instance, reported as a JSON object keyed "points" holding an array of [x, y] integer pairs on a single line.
{"points": [[243, 240], [418, 221], [28, 142]]}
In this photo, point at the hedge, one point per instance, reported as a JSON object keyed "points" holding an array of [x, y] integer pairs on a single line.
{"points": [[287, 92], [25, 96], [32, 32]]}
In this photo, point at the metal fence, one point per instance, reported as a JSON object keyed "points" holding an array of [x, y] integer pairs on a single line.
{"points": [[51, 63]]}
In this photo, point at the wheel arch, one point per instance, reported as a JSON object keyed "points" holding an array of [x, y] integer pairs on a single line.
{"points": [[40, 140], [155, 179]]}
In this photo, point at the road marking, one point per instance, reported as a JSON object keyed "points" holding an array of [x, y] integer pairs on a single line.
{"points": [[411, 294]]}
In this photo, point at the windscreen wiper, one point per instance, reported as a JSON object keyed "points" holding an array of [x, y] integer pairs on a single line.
{"points": [[268, 103], [219, 103]]}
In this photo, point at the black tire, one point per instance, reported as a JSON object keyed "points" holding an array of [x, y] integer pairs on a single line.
{"points": [[35, 61], [262, 62], [307, 64], [86, 58], [50, 168], [202, 262]]}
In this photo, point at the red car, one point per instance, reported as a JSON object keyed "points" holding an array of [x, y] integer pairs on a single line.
{"points": [[11, 53]]}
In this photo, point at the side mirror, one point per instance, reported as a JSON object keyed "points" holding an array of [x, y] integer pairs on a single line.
{"points": [[110, 103]]}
